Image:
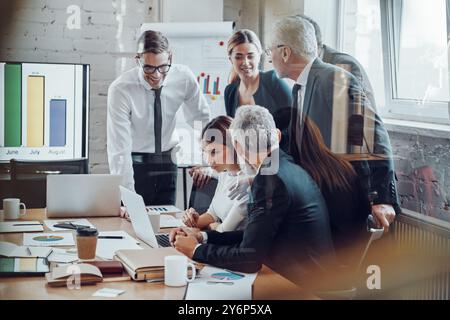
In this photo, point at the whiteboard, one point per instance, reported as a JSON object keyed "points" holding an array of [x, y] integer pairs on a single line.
{"points": [[202, 46]]}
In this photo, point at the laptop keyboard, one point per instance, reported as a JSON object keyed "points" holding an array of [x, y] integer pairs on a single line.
{"points": [[163, 239]]}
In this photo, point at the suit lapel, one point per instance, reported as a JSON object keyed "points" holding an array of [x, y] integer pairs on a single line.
{"points": [[312, 78]]}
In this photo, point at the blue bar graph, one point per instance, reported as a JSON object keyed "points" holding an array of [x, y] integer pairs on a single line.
{"points": [[58, 122]]}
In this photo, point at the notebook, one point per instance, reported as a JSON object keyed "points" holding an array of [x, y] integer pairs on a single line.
{"points": [[145, 264], [85, 273], [10, 266], [21, 226]]}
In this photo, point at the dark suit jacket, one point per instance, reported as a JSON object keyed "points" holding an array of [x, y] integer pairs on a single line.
{"points": [[288, 227], [319, 104], [273, 93], [353, 66]]}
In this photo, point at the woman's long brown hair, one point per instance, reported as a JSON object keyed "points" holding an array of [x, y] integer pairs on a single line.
{"points": [[325, 167], [219, 124]]}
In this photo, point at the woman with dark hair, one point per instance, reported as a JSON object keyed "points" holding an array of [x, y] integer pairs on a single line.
{"points": [[338, 181], [224, 214]]}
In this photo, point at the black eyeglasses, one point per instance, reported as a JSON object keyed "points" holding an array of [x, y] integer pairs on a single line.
{"points": [[148, 69], [268, 51]]}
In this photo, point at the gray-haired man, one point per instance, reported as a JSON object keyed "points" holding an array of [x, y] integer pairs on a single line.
{"points": [[288, 227], [329, 96]]}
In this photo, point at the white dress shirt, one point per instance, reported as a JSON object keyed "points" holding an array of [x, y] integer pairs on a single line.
{"points": [[130, 121], [303, 80], [231, 213]]}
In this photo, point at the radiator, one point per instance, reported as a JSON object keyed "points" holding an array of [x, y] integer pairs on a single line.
{"points": [[412, 230]]}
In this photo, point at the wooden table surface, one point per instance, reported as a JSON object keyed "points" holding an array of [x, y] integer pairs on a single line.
{"points": [[268, 284]]}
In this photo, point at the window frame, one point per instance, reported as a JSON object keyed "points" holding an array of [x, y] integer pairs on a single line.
{"points": [[405, 109]]}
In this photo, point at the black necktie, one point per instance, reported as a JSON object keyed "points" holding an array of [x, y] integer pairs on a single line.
{"points": [[297, 87], [294, 124], [157, 119]]}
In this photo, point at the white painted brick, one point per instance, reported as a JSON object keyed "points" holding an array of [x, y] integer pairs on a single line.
{"points": [[98, 168], [91, 45], [31, 29], [123, 47], [98, 59], [91, 32], [32, 15], [32, 4], [56, 44], [98, 104], [63, 57], [23, 55], [100, 6], [98, 18], [99, 88], [19, 42]]}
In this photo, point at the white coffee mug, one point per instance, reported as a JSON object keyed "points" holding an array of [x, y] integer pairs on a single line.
{"points": [[11, 208], [176, 271], [155, 221]]}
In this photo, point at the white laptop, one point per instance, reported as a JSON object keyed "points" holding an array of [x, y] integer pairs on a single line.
{"points": [[83, 195], [140, 220]]}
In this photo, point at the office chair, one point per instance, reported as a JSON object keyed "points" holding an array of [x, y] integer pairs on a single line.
{"points": [[373, 233], [29, 178], [5, 182], [200, 199]]}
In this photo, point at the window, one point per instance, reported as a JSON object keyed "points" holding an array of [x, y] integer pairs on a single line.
{"points": [[403, 44]]}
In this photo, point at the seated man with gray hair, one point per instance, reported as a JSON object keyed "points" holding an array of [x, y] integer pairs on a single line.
{"points": [[288, 227]]}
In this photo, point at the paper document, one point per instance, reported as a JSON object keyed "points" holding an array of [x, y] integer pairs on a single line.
{"points": [[221, 284], [62, 256], [48, 239], [21, 226], [169, 221], [108, 293], [209, 273], [78, 222], [8, 249], [106, 248], [218, 291]]}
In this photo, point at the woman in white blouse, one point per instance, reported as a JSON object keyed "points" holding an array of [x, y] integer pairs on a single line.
{"points": [[224, 214]]}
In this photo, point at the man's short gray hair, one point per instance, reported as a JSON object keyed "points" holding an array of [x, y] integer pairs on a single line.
{"points": [[296, 33], [254, 128], [316, 26]]}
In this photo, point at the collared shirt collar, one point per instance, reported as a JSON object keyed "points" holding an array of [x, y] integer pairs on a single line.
{"points": [[303, 77]]}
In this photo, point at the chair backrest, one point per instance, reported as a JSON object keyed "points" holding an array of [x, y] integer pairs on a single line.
{"points": [[29, 177], [200, 199], [346, 289]]}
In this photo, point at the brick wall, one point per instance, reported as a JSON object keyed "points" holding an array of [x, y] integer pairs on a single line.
{"points": [[106, 40], [423, 170], [38, 32]]}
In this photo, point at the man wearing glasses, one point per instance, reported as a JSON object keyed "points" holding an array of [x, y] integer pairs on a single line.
{"points": [[142, 107]]}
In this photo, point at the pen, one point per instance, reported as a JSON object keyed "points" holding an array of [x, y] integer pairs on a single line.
{"points": [[215, 282], [27, 224], [28, 251], [110, 237]]}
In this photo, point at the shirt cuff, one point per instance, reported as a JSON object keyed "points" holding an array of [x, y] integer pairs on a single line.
{"points": [[205, 238]]}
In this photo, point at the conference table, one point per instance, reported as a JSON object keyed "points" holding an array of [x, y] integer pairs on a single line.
{"points": [[268, 284]]}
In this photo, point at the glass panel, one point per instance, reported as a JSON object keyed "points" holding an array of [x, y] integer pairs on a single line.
{"points": [[421, 45], [362, 39]]}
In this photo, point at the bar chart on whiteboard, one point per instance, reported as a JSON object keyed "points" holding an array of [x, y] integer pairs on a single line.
{"points": [[44, 109]]}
